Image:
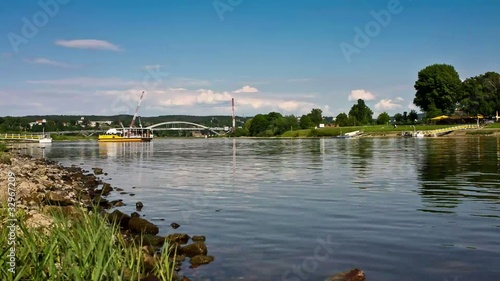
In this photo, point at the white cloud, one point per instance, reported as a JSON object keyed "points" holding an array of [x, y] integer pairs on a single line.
{"points": [[211, 97], [246, 89], [400, 99], [411, 106], [48, 62], [88, 44], [360, 94], [386, 104]]}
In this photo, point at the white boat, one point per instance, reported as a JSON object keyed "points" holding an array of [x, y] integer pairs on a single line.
{"points": [[418, 135], [45, 140]]}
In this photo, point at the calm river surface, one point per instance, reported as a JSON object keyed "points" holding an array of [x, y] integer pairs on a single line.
{"points": [[303, 209]]}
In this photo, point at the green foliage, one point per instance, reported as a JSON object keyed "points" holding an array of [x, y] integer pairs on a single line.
{"points": [[361, 113], [342, 120], [258, 125], [268, 125], [87, 249], [3, 147], [438, 88], [413, 116], [306, 122], [316, 116], [481, 94], [383, 118], [398, 117]]}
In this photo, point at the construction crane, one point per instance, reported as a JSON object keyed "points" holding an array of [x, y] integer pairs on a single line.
{"points": [[136, 110]]}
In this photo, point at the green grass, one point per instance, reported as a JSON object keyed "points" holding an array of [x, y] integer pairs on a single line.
{"points": [[3, 147], [88, 249], [56, 137], [372, 129], [493, 126]]}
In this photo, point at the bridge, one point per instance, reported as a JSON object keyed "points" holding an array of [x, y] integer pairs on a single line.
{"points": [[163, 126], [22, 137], [186, 126]]}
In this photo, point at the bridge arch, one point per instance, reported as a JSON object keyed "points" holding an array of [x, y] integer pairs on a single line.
{"points": [[198, 126]]}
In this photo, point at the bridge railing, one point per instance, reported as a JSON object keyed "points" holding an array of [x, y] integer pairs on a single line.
{"points": [[449, 129], [20, 136]]}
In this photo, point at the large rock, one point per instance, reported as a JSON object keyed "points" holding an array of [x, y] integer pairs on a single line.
{"points": [[150, 240], [181, 238], [140, 225], [58, 198], [118, 217], [97, 171], [352, 275], [198, 260], [195, 249]]}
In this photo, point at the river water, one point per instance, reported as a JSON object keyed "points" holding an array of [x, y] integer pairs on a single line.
{"points": [[303, 209]]}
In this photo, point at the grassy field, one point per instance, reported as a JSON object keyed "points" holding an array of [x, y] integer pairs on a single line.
{"points": [[377, 130]]}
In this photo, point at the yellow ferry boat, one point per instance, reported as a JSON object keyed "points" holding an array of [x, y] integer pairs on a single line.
{"points": [[127, 135]]}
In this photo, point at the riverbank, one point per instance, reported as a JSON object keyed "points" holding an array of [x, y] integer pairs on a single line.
{"points": [[388, 131], [55, 221]]}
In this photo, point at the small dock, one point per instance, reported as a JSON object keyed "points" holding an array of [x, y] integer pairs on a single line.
{"points": [[443, 131], [21, 137]]}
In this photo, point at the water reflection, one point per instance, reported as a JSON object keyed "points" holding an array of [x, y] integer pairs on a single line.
{"points": [[455, 170], [114, 150]]}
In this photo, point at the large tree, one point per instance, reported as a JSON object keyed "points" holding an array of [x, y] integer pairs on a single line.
{"points": [[481, 94], [413, 116], [362, 113], [383, 118], [438, 87], [316, 116], [342, 120]]}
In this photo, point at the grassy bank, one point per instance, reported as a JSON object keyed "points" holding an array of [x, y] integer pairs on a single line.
{"points": [[73, 138], [87, 248], [375, 130]]}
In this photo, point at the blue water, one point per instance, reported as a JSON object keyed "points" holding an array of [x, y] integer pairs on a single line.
{"points": [[304, 209]]}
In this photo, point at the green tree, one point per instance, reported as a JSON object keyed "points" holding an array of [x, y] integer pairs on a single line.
{"points": [[481, 94], [405, 117], [342, 120], [362, 113], [305, 122], [316, 116], [438, 87], [383, 118], [258, 125], [413, 116], [398, 117]]}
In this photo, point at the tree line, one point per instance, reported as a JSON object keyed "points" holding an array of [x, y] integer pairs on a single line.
{"points": [[440, 91], [275, 124]]}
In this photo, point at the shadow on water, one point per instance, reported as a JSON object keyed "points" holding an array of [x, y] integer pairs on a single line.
{"points": [[455, 170]]}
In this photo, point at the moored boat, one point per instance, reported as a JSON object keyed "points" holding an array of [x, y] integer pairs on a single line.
{"points": [[127, 135]]}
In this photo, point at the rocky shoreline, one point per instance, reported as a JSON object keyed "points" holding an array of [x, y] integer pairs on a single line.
{"points": [[45, 187]]}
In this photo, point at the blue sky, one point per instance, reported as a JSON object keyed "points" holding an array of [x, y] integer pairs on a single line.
{"points": [[193, 56]]}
